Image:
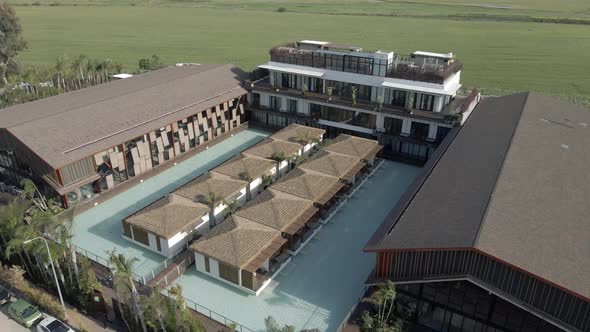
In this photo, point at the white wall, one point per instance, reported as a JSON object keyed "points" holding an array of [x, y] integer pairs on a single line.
{"points": [[213, 265]]}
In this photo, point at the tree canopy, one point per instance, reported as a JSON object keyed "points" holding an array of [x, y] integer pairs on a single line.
{"points": [[11, 41]]}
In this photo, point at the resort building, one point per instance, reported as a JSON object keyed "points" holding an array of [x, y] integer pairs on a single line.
{"points": [[291, 215], [322, 189], [282, 152], [494, 236], [241, 252], [79, 144], [308, 137], [229, 189], [358, 147], [249, 168], [409, 102], [344, 167], [166, 225]]}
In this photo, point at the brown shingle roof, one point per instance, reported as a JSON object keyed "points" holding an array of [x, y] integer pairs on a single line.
{"points": [[168, 216], [334, 164], [354, 146], [91, 120], [238, 241], [314, 186], [240, 165], [514, 184], [279, 210], [199, 188], [269, 146], [294, 133]]}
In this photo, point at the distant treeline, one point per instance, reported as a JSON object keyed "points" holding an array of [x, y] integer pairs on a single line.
{"points": [[68, 74]]}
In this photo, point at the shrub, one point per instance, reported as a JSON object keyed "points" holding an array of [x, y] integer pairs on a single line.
{"points": [[36, 3], [55, 4], [13, 276], [282, 9]]}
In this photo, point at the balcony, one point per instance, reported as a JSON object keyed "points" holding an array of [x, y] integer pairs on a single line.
{"points": [[449, 114], [401, 67]]}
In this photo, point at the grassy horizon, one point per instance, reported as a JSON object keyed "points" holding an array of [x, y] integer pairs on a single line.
{"points": [[515, 56]]}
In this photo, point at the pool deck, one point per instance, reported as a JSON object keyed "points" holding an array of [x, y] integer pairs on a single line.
{"points": [[323, 282], [99, 229]]}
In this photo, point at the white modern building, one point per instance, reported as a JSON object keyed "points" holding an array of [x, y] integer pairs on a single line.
{"points": [[409, 102]]}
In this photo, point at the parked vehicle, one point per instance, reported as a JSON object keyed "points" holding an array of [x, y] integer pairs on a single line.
{"points": [[52, 324], [4, 296], [24, 313]]}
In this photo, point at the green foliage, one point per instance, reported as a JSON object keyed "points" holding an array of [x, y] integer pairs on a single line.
{"points": [[11, 41], [282, 9], [14, 277], [272, 326], [88, 283], [230, 207], [382, 320], [537, 46], [151, 63]]}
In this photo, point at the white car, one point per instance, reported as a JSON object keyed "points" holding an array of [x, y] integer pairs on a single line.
{"points": [[52, 324]]}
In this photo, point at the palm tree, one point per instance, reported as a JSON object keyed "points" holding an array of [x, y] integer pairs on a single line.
{"points": [[155, 310], [122, 269], [230, 207], [11, 218], [246, 177], [32, 193], [278, 157], [384, 298], [212, 200]]}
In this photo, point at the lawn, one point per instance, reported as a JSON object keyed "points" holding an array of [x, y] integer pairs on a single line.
{"points": [[550, 58]]}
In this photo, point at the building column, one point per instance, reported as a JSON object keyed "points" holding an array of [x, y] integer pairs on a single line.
{"points": [[406, 126], [240, 277], [380, 122], [432, 128]]}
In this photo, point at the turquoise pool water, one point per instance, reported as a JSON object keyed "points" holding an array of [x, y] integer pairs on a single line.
{"points": [[99, 229], [320, 285]]}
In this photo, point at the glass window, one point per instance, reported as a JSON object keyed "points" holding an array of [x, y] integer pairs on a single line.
{"points": [[292, 105], [423, 102], [419, 130], [275, 103], [393, 126]]}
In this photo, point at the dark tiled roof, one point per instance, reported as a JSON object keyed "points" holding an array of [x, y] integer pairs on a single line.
{"points": [[513, 183], [71, 126]]}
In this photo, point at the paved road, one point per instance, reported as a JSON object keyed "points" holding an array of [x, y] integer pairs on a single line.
{"points": [[8, 324]]}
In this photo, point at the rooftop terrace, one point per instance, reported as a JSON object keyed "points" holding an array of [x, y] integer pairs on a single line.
{"points": [[418, 66]]}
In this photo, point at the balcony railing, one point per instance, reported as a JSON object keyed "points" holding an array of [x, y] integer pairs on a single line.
{"points": [[447, 115], [402, 66]]}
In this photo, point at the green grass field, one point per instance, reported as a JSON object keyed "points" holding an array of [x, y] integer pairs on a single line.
{"points": [[509, 56]]}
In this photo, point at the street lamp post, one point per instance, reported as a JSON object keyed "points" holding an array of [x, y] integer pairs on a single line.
{"points": [[53, 268]]}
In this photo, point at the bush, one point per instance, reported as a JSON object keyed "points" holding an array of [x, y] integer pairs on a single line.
{"points": [[282, 9], [55, 4], [13, 276], [36, 3]]}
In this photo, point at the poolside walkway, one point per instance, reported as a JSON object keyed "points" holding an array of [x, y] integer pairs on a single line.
{"points": [[321, 284], [99, 228]]}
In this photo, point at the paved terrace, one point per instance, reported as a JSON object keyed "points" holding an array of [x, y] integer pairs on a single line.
{"points": [[320, 285], [99, 228]]}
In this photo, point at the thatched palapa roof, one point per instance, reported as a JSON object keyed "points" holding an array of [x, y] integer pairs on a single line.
{"points": [[334, 164], [168, 216], [240, 242], [354, 146], [294, 133], [314, 186], [284, 212], [269, 146], [242, 165], [199, 188]]}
